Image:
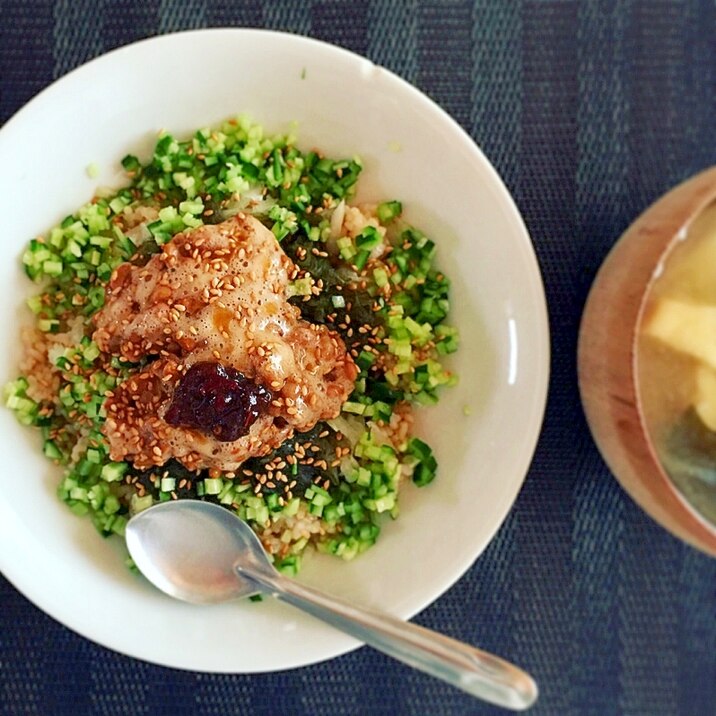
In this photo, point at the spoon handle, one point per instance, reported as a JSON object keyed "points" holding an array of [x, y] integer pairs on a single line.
{"points": [[478, 673]]}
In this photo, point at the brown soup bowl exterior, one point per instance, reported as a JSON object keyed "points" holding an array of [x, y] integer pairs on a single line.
{"points": [[607, 362]]}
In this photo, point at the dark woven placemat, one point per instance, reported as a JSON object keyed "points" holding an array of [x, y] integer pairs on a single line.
{"points": [[589, 110]]}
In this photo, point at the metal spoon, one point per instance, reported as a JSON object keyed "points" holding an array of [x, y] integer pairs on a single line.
{"points": [[203, 553]]}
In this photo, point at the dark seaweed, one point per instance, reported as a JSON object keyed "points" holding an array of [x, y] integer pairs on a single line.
{"points": [[145, 251], [336, 282], [689, 456], [306, 475], [150, 479]]}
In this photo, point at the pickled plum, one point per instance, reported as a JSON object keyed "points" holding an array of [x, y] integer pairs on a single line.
{"points": [[217, 400]]}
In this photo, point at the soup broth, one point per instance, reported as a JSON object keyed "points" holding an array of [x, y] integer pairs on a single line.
{"points": [[676, 364]]}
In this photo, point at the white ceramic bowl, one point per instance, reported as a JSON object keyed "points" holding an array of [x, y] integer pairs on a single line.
{"points": [[412, 150]]}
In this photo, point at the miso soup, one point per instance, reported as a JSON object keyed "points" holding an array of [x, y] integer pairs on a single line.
{"points": [[676, 364]]}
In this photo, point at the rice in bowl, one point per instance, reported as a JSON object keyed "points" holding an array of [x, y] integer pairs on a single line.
{"points": [[355, 274]]}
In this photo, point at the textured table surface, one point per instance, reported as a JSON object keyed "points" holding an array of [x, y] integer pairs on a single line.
{"points": [[589, 110]]}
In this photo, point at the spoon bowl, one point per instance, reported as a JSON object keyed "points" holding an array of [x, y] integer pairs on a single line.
{"points": [[201, 552], [171, 550]]}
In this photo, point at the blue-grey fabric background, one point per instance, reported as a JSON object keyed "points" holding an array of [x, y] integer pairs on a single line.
{"points": [[589, 110]]}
